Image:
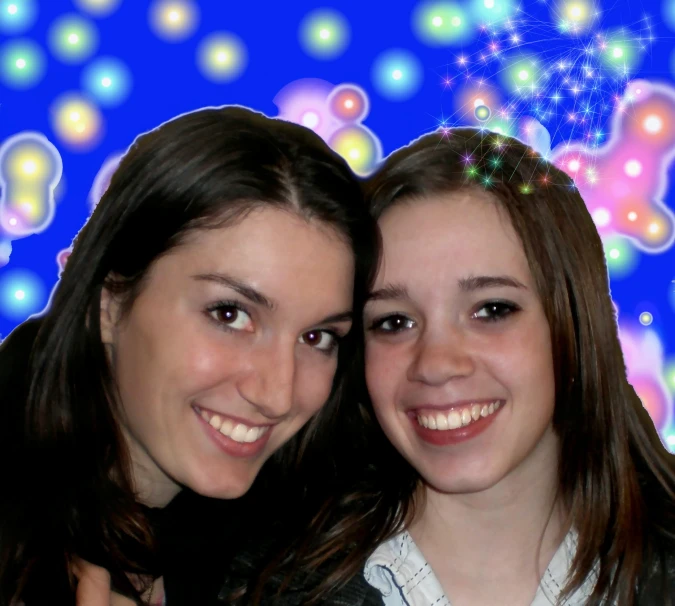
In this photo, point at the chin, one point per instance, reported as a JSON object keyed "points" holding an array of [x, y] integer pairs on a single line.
{"points": [[225, 485], [460, 483]]}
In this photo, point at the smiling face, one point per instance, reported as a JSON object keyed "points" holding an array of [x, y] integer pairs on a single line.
{"points": [[229, 349], [458, 352]]}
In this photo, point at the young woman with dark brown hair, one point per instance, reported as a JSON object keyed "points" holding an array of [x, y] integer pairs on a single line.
{"points": [[201, 327]]}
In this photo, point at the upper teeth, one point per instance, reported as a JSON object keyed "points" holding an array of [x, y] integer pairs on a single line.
{"points": [[457, 417], [235, 431]]}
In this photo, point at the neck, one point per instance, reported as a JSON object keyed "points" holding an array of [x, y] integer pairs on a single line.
{"points": [[514, 526]]}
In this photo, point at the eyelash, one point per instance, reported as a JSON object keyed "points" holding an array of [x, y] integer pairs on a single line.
{"points": [[220, 305], [505, 309]]}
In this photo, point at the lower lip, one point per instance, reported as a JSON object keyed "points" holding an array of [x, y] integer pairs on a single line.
{"points": [[240, 450], [445, 437]]}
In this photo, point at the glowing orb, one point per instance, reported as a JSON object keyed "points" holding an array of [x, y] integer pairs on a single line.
{"points": [[22, 294], [77, 122], [324, 34], [490, 12], [442, 23], [620, 52], [310, 119], [173, 20], [348, 103], [482, 113], [574, 165], [107, 80], [17, 16], [653, 124], [520, 75], [621, 256], [397, 75], [222, 57], [73, 39], [646, 318], [98, 8], [22, 64], [358, 146], [633, 168], [30, 169], [602, 217]]}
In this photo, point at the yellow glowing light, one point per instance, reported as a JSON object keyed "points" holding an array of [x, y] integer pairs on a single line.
{"points": [[29, 167], [654, 228], [174, 20], [77, 121], [74, 116], [222, 57]]}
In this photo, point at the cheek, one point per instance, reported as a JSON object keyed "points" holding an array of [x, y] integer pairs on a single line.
{"points": [[384, 371], [313, 384]]}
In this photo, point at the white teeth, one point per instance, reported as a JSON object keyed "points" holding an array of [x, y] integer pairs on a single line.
{"points": [[215, 422], [239, 433], [252, 434], [454, 420], [227, 427], [204, 415]]}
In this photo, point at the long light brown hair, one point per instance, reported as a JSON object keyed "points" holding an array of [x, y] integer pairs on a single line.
{"points": [[617, 481]]}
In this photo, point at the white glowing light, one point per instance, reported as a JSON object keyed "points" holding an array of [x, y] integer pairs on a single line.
{"points": [[617, 53], [653, 124], [632, 216], [29, 167], [20, 295], [310, 119], [73, 38], [489, 3], [574, 165], [11, 9], [324, 34], [437, 21], [614, 253], [397, 74], [602, 217], [633, 168], [456, 21], [523, 75], [106, 82], [20, 63]]}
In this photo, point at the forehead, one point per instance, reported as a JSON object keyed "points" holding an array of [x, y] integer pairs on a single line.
{"points": [[460, 233], [271, 249]]}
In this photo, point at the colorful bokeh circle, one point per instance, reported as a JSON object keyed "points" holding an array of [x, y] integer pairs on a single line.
{"points": [[348, 103], [107, 80], [324, 34], [98, 8], [491, 12], [76, 121], [482, 113], [222, 57], [17, 16], [621, 256], [174, 20], [442, 23], [358, 146], [73, 39], [22, 64], [397, 74], [22, 294]]}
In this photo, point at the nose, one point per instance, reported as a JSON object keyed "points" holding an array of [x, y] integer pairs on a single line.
{"points": [[441, 358], [269, 381]]}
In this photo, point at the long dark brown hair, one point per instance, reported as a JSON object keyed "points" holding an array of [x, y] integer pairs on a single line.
{"points": [[617, 481], [66, 476]]}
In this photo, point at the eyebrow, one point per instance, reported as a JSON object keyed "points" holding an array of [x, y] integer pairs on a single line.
{"points": [[257, 297], [241, 287], [398, 292]]}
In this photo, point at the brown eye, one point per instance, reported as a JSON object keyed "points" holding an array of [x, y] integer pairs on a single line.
{"points": [[319, 339], [393, 324], [232, 317]]}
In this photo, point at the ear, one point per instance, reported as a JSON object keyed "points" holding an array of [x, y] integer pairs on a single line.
{"points": [[110, 315]]}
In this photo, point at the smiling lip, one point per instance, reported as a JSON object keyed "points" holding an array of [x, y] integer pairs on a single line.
{"points": [[467, 419], [221, 438]]}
